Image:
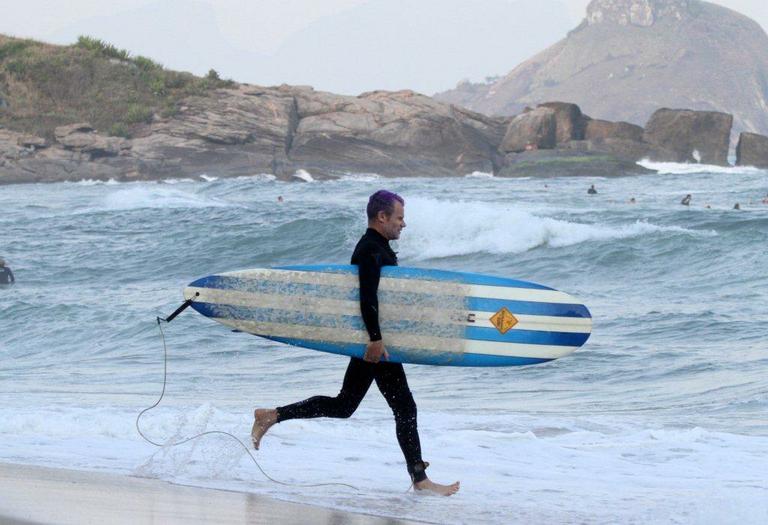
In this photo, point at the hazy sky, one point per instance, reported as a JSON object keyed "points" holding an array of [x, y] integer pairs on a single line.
{"points": [[345, 46]]}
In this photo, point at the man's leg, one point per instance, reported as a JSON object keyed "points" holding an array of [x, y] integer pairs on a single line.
{"points": [[357, 380], [390, 378]]}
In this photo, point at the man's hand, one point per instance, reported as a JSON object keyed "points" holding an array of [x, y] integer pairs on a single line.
{"points": [[374, 351]]}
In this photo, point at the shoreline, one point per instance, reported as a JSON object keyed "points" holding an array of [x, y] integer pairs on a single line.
{"points": [[42, 495]]}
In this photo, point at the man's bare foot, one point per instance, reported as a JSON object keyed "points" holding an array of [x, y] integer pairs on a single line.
{"points": [[437, 488], [263, 418]]}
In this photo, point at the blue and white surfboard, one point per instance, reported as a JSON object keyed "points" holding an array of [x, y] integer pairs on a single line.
{"points": [[431, 317]]}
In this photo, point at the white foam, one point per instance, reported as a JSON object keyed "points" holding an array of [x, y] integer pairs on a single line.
{"points": [[360, 177], [539, 468], [303, 175], [94, 182], [176, 181], [677, 168], [158, 196], [208, 178], [479, 175], [444, 229]]}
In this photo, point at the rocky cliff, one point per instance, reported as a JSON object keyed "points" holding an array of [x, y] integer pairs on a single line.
{"points": [[630, 57], [246, 130]]}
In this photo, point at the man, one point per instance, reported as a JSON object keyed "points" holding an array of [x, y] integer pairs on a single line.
{"points": [[592, 190], [686, 200], [386, 219], [6, 275]]}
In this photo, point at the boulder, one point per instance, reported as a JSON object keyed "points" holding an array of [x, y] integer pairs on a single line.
{"points": [[752, 150], [693, 136], [569, 121], [597, 129], [536, 129], [32, 142], [397, 133]]}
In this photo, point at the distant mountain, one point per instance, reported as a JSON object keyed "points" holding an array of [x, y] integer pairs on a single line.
{"points": [[380, 44], [630, 57]]}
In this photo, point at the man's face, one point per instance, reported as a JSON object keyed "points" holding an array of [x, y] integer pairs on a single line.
{"points": [[392, 226]]}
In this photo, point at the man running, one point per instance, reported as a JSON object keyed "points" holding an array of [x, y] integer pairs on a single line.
{"points": [[386, 219]]}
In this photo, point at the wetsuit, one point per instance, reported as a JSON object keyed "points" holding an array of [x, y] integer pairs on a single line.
{"points": [[371, 253], [6, 276]]}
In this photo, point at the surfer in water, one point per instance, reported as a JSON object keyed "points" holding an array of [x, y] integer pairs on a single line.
{"points": [[6, 275], [386, 219]]}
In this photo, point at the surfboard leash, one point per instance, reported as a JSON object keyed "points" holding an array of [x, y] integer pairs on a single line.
{"points": [[168, 319]]}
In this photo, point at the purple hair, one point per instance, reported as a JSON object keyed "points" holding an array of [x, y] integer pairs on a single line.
{"points": [[382, 200]]}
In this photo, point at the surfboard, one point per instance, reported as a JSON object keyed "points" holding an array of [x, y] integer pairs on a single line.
{"points": [[427, 316]]}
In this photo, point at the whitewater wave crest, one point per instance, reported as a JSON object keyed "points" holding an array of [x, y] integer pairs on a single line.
{"points": [[681, 168], [447, 229]]}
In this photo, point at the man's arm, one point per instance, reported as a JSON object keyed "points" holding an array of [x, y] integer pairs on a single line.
{"points": [[369, 271], [10, 274]]}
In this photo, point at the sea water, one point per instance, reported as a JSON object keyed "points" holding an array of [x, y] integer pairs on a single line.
{"points": [[661, 417]]}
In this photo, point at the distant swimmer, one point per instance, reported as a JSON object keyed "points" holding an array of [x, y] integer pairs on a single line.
{"points": [[279, 198], [686, 200], [632, 200], [386, 218], [6, 275], [592, 190], [736, 206]]}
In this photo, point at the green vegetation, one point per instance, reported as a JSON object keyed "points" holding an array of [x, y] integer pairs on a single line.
{"points": [[13, 47], [45, 86], [102, 48], [553, 161]]}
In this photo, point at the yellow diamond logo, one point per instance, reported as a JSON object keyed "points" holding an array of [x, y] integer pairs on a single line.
{"points": [[503, 320]]}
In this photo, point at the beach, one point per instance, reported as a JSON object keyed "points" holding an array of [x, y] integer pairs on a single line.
{"points": [[658, 418], [33, 494]]}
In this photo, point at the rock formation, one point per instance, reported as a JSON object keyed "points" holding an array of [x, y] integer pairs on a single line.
{"points": [[752, 150], [694, 136], [599, 147], [536, 128], [596, 129], [251, 129], [630, 57]]}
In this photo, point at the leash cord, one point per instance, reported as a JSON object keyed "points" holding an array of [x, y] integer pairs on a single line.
{"points": [[210, 432]]}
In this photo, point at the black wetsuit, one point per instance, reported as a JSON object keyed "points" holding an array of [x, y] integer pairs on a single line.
{"points": [[371, 253], [6, 276]]}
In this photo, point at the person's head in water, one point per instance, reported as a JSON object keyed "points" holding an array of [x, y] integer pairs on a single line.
{"points": [[386, 214], [2, 262]]}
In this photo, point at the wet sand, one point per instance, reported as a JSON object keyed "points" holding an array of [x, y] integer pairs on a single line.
{"points": [[37, 495]]}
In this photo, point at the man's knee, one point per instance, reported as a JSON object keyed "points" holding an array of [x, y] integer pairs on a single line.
{"points": [[346, 404]]}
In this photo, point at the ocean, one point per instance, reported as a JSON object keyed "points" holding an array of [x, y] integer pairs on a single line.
{"points": [[660, 418]]}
